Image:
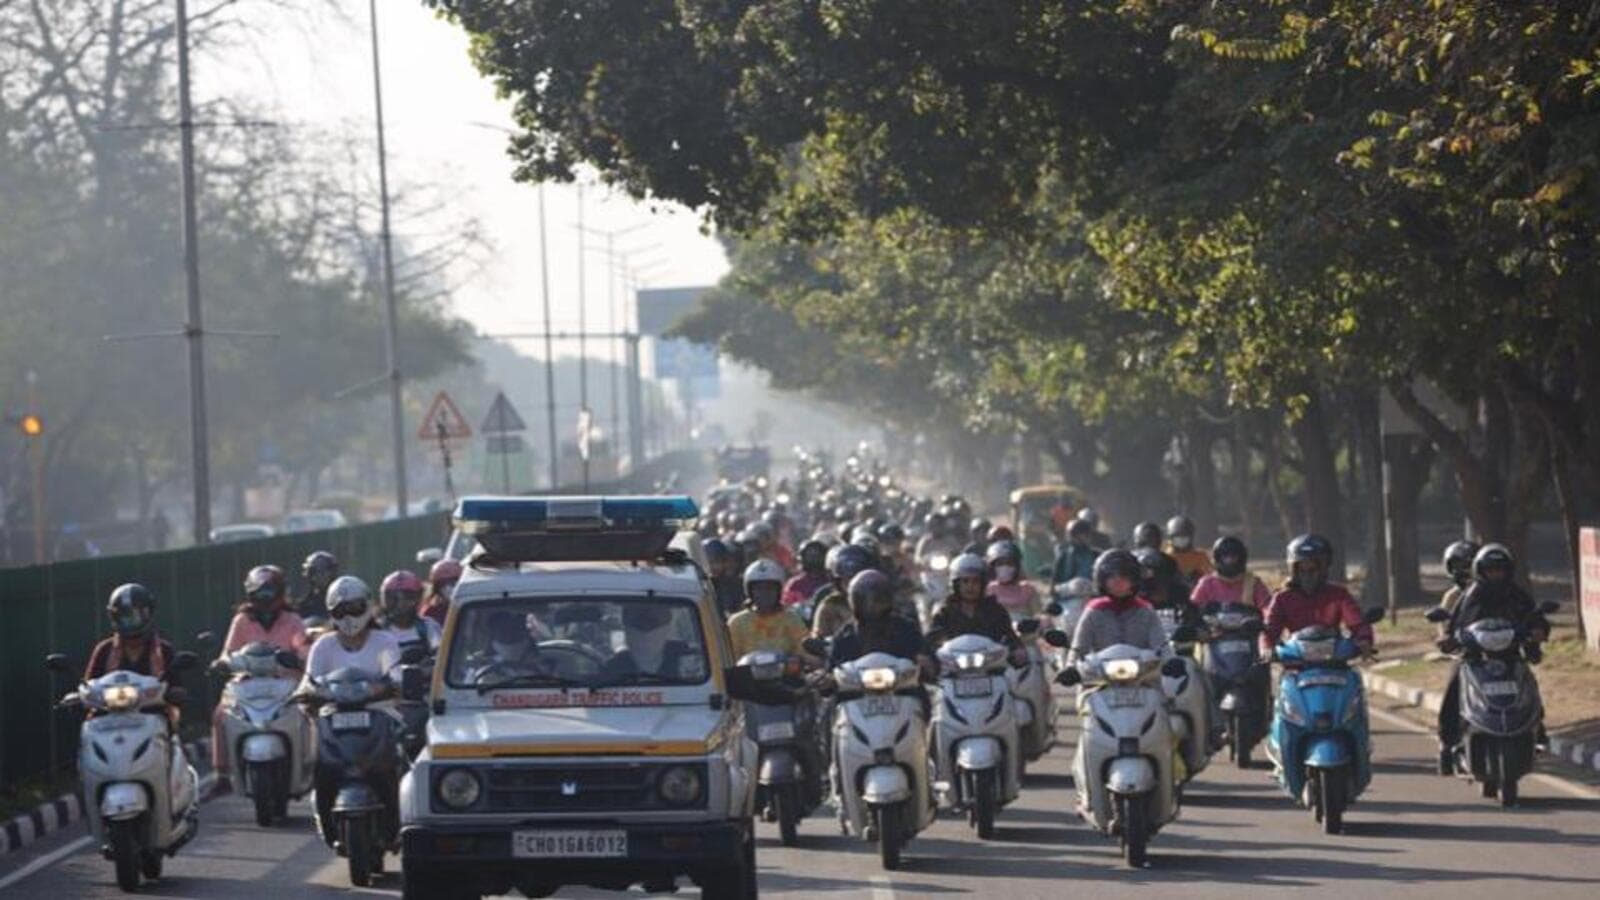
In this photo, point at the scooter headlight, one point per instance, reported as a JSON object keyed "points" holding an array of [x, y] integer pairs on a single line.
{"points": [[459, 788], [1121, 669], [878, 679], [680, 785], [1292, 712], [120, 696]]}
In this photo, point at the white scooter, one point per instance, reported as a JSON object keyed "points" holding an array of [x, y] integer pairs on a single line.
{"points": [[881, 753], [1191, 696], [935, 586], [1124, 769], [1036, 707], [270, 739], [141, 796], [975, 730]]}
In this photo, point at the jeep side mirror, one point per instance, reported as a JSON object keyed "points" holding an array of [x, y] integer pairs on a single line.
{"points": [[1028, 626], [58, 663], [1069, 677], [1374, 615], [1438, 615], [413, 684], [743, 685], [184, 660], [288, 659], [1548, 607], [1055, 637], [1055, 609]]}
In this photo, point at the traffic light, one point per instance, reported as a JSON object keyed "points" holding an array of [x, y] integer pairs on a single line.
{"points": [[31, 425]]}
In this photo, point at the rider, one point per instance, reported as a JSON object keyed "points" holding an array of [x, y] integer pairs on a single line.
{"points": [[1458, 559], [442, 580], [356, 641], [1193, 563], [936, 539], [968, 611], [400, 596], [1310, 599], [833, 608], [1006, 584], [262, 616], [799, 590], [1075, 558], [1098, 539], [1118, 615], [875, 628], [977, 535], [1231, 582], [1493, 594], [134, 645], [1163, 587], [319, 570], [765, 624], [724, 575]]}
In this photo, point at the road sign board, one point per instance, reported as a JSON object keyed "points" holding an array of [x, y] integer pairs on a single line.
{"points": [[677, 358], [443, 411], [505, 443], [503, 417]]}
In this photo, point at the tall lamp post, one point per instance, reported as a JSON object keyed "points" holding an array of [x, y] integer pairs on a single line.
{"points": [[391, 342]]}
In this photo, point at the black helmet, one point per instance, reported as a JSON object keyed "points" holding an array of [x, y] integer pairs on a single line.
{"points": [[968, 565], [1458, 559], [978, 528], [132, 610], [1233, 550], [1312, 548], [891, 533], [1002, 551], [846, 561], [1180, 531], [1493, 556], [1080, 528], [320, 567], [1152, 562], [1116, 562], [716, 550], [265, 587], [1147, 534], [871, 596], [813, 556]]}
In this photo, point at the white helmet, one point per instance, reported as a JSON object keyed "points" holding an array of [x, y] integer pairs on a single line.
{"points": [[350, 592], [764, 571]]}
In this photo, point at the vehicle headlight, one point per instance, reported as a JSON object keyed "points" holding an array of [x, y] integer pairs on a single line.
{"points": [[459, 788], [878, 679], [120, 696], [680, 785], [1121, 669]]}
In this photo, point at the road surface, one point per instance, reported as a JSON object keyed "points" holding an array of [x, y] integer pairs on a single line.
{"points": [[1412, 835]]}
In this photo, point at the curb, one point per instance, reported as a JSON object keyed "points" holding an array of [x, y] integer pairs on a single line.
{"points": [[1575, 752], [66, 810]]}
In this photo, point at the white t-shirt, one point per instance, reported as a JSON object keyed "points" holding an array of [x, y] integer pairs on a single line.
{"points": [[379, 654]]}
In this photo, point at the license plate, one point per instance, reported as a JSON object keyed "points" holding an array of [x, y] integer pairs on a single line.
{"points": [[1501, 688], [569, 844], [879, 705], [974, 687], [1121, 697], [350, 721], [775, 731], [1233, 646]]}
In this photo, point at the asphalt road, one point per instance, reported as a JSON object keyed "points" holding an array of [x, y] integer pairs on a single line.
{"points": [[1413, 834]]}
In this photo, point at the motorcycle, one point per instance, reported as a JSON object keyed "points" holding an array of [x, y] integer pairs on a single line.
{"points": [[789, 775], [358, 769], [975, 730], [1035, 702], [141, 796], [1319, 739], [1239, 680], [1501, 709], [881, 753], [269, 737], [1125, 767]]}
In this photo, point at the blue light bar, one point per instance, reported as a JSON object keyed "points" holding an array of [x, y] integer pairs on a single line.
{"points": [[514, 513]]}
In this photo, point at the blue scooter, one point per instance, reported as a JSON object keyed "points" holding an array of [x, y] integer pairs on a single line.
{"points": [[1320, 740]]}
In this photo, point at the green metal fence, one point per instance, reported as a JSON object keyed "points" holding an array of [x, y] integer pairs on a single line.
{"points": [[60, 608]]}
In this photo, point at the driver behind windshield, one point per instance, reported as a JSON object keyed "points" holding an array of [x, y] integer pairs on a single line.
{"points": [[649, 647]]}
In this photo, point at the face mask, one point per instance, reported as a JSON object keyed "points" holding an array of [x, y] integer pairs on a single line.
{"points": [[350, 626], [1181, 543], [1005, 573]]}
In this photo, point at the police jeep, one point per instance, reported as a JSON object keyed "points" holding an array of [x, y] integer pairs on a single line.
{"points": [[586, 722]]}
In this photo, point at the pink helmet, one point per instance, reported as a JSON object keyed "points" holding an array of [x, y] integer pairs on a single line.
{"points": [[401, 588], [445, 570]]}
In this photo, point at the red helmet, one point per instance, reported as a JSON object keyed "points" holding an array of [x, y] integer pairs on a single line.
{"points": [[401, 591]]}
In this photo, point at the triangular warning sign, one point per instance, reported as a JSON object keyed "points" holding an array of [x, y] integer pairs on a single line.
{"points": [[502, 417], [443, 413]]}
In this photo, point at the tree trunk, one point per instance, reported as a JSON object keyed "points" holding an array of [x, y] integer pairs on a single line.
{"points": [[1313, 436], [1280, 503], [1203, 479], [1370, 443], [1239, 463]]}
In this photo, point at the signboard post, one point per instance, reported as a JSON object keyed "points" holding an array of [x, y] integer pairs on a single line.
{"points": [[503, 426], [443, 423], [1589, 585], [585, 426]]}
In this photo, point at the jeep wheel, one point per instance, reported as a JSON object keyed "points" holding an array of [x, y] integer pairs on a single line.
{"points": [[736, 881]]}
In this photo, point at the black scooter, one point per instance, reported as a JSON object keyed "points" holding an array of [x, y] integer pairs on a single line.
{"points": [[793, 758], [1239, 680], [359, 765]]}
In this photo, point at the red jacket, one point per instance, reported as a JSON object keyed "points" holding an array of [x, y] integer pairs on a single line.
{"points": [[1291, 610]]}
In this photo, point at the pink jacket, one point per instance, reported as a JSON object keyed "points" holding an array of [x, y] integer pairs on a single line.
{"points": [[287, 633], [1019, 597], [1214, 589]]}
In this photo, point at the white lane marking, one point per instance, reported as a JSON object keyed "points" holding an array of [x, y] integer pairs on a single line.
{"points": [[881, 888], [1566, 786], [46, 861]]}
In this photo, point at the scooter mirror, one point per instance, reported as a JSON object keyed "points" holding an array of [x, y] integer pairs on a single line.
{"points": [[1548, 607], [1437, 615], [1055, 637], [743, 685], [1069, 677], [184, 660], [288, 659], [1174, 668], [815, 646], [58, 662], [1184, 634], [1055, 609], [1028, 626], [1374, 615]]}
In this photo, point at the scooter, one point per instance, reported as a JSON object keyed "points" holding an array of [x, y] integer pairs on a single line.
{"points": [[789, 774], [269, 737], [935, 586], [358, 769], [1035, 702], [140, 795], [881, 753], [1239, 680], [1319, 740], [1125, 764], [975, 730], [1501, 709], [1191, 696]]}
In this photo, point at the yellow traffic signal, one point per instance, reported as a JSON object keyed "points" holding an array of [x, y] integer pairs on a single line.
{"points": [[32, 425]]}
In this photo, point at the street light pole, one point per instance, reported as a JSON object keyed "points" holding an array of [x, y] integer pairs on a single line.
{"points": [[391, 344], [549, 347], [193, 329], [583, 348]]}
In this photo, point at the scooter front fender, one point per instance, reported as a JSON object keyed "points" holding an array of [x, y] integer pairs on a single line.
{"points": [[882, 785], [779, 766], [1130, 775], [263, 747], [123, 800], [981, 752], [356, 797], [1325, 751]]}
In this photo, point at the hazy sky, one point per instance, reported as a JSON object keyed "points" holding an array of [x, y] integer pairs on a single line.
{"points": [[316, 76]]}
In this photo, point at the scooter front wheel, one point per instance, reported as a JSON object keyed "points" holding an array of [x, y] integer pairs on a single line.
{"points": [[985, 801], [887, 819], [124, 842], [151, 865], [1332, 799], [786, 806], [359, 849], [1135, 829], [265, 788]]}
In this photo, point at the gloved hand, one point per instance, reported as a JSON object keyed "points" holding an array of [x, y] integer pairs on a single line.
{"points": [[1447, 645], [1534, 653]]}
